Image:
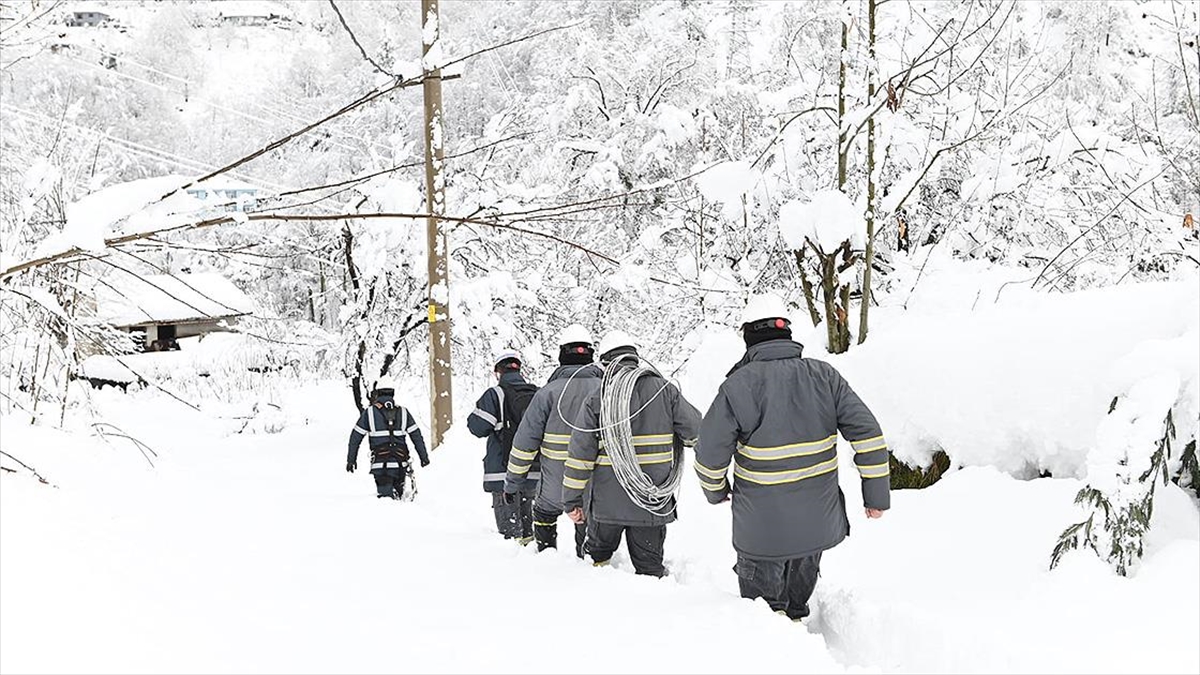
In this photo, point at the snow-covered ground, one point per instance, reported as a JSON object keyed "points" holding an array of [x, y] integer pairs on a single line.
{"points": [[257, 552]]}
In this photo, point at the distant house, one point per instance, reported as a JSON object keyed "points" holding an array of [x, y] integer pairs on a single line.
{"points": [[226, 194], [251, 13], [160, 309], [87, 18]]}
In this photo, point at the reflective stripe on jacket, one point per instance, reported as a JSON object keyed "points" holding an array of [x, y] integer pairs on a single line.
{"points": [[774, 422], [485, 422], [544, 433], [661, 430], [372, 425]]}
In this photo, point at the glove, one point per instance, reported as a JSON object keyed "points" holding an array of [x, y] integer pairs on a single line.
{"points": [[424, 462], [351, 465]]}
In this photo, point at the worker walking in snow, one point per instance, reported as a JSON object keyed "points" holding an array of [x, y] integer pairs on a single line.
{"points": [[627, 485], [388, 428], [497, 416], [545, 432], [776, 419]]}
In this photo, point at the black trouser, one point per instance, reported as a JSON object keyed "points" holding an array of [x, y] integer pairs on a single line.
{"points": [[786, 585], [515, 520], [545, 531], [645, 545], [389, 482]]}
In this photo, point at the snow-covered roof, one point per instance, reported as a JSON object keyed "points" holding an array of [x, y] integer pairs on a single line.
{"points": [[82, 8], [223, 183], [250, 8], [163, 298]]}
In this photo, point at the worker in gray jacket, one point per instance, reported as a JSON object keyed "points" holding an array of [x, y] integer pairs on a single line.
{"points": [[545, 432], [660, 424], [776, 419]]}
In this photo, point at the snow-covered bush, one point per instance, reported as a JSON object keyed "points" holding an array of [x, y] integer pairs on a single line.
{"points": [[1149, 436]]}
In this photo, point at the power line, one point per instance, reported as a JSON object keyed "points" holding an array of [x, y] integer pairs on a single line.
{"points": [[278, 112]]}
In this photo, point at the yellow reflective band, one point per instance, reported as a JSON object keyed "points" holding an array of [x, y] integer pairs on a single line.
{"points": [[560, 455], [580, 464], [864, 442], [513, 468], [873, 448], [713, 487], [602, 563], [780, 477], [714, 474], [788, 451], [653, 439], [647, 458], [874, 470], [574, 484], [556, 438], [541, 524], [526, 455]]}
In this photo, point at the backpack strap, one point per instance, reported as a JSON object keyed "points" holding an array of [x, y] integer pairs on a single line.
{"points": [[499, 398]]}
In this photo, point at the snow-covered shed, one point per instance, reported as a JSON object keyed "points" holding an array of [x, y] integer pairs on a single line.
{"points": [[251, 13], [227, 194], [163, 308], [87, 16]]}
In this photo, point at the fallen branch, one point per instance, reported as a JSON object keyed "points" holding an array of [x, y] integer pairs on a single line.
{"points": [[30, 469]]}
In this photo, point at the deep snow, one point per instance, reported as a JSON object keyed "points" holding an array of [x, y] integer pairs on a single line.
{"points": [[258, 553], [243, 550]]}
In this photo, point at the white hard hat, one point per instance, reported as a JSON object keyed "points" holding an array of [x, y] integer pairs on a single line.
{"points": [[764, 306], [386, 382], [615, 339], [505, 355], [574, 334]]}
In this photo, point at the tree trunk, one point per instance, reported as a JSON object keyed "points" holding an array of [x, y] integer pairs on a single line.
{"points": [[869, 254], [841, 168]]}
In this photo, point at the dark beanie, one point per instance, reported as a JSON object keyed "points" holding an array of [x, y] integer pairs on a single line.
{"points": [[612, 354], [508, 365], [576, 354], [762, 331]]}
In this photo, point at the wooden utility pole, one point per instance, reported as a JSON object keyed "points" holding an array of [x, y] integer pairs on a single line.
{"points": [[435, 202]]}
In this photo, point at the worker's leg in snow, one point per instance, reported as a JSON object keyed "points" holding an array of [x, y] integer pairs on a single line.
{"points": [[545, 528], [580, 539], [383, 483], [603, 540], [508, 523], [801, 579], [398, 484], [525, 515], [763, 579], [645, 546]]}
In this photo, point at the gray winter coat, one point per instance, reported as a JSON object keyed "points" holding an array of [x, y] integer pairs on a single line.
{"points": [[776, 418], [544, 431], [660, 432]]}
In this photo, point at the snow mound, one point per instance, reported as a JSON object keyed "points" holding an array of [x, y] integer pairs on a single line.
{"points": [[727, 184], [827, 220]]}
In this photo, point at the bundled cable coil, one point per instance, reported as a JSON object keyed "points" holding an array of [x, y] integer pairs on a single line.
{"points": [[616, 435]]}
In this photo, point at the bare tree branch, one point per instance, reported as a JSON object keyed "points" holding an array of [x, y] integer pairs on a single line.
{"points": [[30, 469]]}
